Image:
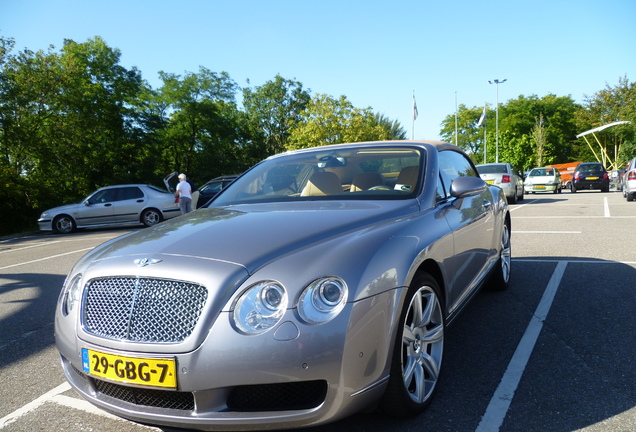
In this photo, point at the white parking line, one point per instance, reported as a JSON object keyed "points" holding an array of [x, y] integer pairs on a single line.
{"points": [[606, 207], [546, 232], [500, 402], [46, 258], [8, 419]]}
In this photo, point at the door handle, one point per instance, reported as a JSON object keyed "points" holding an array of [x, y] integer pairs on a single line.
{"points": [[486, 205]]}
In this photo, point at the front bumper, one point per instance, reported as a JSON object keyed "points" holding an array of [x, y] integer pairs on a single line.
{"points": [[45, 224], [337, 368], [540, 187]]}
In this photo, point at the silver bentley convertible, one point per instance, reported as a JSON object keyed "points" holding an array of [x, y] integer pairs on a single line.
{"points": [[319, 283]]}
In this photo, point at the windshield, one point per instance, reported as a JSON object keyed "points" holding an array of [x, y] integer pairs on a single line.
{"points": [[541, 172], [372, 172]]}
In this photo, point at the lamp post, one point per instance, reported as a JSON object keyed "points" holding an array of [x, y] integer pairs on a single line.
{"points": [[497, 82]]}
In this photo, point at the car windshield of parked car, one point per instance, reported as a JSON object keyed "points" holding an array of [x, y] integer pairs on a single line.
{"points": [[492, 169], [541, 172], [330, 174]]}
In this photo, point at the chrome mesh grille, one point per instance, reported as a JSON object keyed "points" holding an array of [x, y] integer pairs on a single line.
{"points": [[142, 309]]}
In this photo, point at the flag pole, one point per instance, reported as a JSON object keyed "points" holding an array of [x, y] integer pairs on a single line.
{"points": [[485, 153]]}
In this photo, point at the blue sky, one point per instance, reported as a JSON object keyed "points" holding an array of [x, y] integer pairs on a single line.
{"points": [[376, 53]]}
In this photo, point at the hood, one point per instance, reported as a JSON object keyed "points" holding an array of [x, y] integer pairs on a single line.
{"points": [[250, 236], [68, 208]]}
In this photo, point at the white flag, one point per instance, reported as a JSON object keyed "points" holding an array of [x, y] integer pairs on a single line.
{"points": [[482, 119], [414, 109]]}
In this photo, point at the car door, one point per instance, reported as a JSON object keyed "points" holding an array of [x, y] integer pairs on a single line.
{"points": [[471, 220], [129, 203], [97, 209]]}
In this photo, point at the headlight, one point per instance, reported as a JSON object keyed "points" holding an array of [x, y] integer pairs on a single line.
{"points": [[44, 215], [71, 294], [260, 307], [322, 300]]}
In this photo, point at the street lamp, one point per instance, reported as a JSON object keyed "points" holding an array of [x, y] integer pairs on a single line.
{"points": [[497, 117]]}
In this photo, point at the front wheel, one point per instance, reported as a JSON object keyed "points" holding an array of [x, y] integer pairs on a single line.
{"points": [[418, 351], [151, 217], [63, 224]]}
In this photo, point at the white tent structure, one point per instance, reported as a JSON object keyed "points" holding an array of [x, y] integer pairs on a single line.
{"points": [[605, 157]]}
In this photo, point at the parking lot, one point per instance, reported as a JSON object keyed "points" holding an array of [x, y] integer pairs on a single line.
{"points": [[555, 352]]}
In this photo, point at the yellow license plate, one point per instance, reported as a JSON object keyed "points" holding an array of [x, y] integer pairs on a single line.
{"points": [[592, 178], [490, 181], [540, 186], [153, 372]]}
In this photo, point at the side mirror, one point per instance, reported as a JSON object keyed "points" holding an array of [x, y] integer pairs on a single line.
{"points": [[463, 187]]}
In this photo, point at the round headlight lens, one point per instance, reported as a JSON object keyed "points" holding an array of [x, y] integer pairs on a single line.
{"points": [[260, 308], [73, 293], [322, 300]]}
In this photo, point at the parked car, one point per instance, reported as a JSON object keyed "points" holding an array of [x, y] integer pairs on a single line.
{"points": [[544, 179], [213, 187], [620, 182], [590, 175], [504, 176], [629, 181], [319, 283], [131, 204]]}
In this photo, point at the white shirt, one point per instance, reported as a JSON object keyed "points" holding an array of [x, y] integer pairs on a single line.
{"points": [[184, 189]]}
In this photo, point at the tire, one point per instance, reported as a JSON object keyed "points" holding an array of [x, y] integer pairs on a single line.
{"points": [[513, 200], [418, 351], [64, 224], [151, 217], [501, 277], [629, 196], [572, 188], [521, 196]]}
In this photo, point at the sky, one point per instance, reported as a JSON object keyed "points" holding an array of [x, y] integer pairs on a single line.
{"points": [[379, 54]]}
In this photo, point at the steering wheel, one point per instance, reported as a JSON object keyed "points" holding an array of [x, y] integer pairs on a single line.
{"points": [[381, 187]]}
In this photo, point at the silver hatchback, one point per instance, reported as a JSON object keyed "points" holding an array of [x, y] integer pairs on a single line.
{"points": [[131, 204]]}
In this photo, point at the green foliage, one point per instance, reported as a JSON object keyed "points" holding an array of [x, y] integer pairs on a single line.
{"points": [[470, 136], [273, 108], [326, 120]]}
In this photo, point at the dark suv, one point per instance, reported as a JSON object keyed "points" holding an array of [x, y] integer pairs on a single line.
{"points": [[590, 175]]}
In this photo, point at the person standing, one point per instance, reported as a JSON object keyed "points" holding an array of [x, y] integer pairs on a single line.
{"points": [[194, 191], [184, 193]]}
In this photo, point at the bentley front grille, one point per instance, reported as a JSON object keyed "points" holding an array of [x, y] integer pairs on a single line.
{"points": [[142, 309]]}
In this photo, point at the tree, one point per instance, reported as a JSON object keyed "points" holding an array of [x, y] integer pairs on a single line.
{"points": [[612, 104], [273, 108], [393, 128], [200, 124], [330, 121], [66, 123], [470, 137], [539, 138]]}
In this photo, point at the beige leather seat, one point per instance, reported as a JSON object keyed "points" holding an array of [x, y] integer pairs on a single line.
{"points": [[321, 184], [408, 177], [365, 181]]}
